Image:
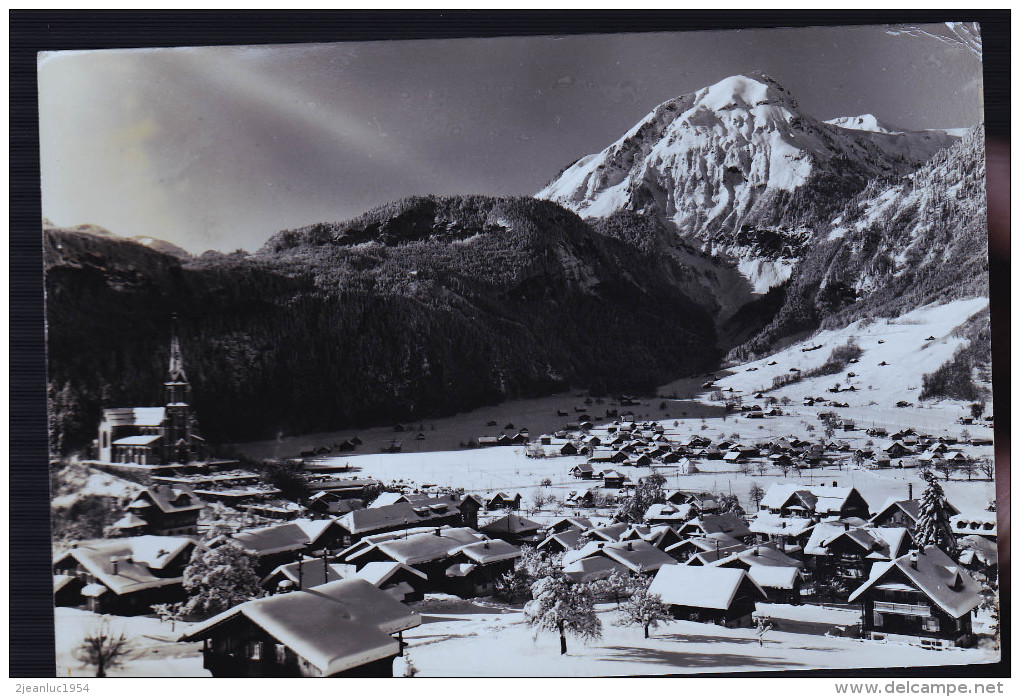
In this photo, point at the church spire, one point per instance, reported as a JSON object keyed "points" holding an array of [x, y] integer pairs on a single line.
{"points": [[176, 373]]}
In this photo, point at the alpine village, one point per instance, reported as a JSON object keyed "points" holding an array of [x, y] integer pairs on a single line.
{"points": [[547, 436]]}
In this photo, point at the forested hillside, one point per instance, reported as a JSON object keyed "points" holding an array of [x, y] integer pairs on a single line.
{"points": [[901, 243], [424, 307]]}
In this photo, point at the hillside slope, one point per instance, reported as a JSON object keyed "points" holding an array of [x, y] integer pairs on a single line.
{"points": [[425, 307], [901, 243]]}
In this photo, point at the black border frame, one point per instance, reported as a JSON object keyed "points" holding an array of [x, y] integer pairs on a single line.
{"points": [[30, 601]]}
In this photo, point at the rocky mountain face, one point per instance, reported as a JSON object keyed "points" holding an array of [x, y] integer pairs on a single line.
{"points": [[740, 171], [900, 243]]}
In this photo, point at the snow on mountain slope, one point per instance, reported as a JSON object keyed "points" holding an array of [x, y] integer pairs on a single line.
{"points": [[864, 122], [739, 169], [928, 224], [902, 343]]}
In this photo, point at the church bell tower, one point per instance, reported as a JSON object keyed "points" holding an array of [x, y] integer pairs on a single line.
{"points": [[178, 412]]}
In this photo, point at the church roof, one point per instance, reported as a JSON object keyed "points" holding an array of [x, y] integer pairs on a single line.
{"points": [[137, 440], [135, 416]]}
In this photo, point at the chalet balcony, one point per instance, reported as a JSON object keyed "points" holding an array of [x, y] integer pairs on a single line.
{"points": [[902, 609]]}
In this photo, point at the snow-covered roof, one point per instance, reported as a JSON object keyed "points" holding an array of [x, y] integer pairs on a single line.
{"points": [[490, 551], [773, 524], [933, 573], [711, 587], [378, 572], [310, 572], [592, 568], [335, 627], [137, 440], [135, 416], [822, 499], [135, 558], [781, 577]]}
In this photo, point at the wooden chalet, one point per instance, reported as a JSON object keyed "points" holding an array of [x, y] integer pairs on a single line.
{"points": [[921, 597], [778, 574], [303, 574], [501, 501], [710, 594], [474, 569], [124, 576], [162, 509], [841, 553], [285, 543], [637, 556], [514, 529], [340, 629], [708, 524], [397, 580]]}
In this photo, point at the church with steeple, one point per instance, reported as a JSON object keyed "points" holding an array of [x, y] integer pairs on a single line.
{"points": [[163, 435]]}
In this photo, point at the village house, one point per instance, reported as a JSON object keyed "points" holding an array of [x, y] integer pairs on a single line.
{"points": [[344, 628], [779, 575], [983, 524], [428, 553], [902, 513], [719, 543], [583, 471], [514, 529], [303, 574], [468, 505], [560, 542], [637, 556], [674, 515], [124, 576], [162, 509], [328, 504], [474, 569], [398, 516], [504, 501], [661, 536], [843, 555], [707, 524], [397, 580], [607, 533], [921, 597], [282, 544], [577, 523], [710, 594]]}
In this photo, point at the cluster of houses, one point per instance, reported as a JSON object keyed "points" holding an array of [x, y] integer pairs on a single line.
{"points": [[706, 565], [338, 575]]}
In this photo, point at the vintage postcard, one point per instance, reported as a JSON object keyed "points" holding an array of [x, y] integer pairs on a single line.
{"points": [[592, 355]]}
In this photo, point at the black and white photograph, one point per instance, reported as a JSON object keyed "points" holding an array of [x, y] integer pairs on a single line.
{"points": [[626, 354]]}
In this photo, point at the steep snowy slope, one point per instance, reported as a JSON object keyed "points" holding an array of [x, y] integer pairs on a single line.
{"points": [[901, 243], [739, 169]]}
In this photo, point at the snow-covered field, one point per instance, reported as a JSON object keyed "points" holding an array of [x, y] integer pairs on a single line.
{"points": [[481, 643], [154, 651]]}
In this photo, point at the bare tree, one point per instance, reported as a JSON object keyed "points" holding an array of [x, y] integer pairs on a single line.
{"points": [[987, 467], [763, 467], [103, 649], [756, 494]]}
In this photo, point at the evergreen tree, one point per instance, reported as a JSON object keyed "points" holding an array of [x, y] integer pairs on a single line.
{"points": [[565, 608], [219, 579], [933, 525]]}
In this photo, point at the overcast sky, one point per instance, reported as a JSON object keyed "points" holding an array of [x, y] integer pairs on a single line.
{"points": [[219, 148]]}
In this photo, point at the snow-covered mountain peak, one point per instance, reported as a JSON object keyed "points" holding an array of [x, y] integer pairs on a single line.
{"points": [[738, 169], [864, 122], [743, 91]]}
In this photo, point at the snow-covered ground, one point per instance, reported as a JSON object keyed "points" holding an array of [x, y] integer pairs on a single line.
{"points": [[154, 651], [480, 643]]}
